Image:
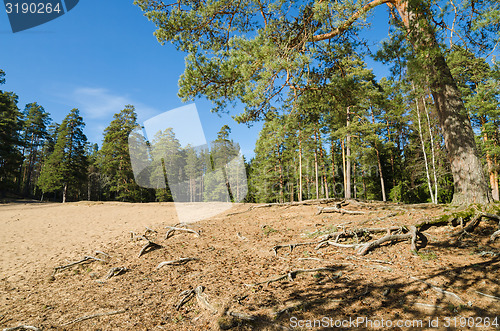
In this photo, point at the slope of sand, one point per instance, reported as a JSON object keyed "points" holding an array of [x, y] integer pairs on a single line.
{"points": [[33, 235], [235, 249]]}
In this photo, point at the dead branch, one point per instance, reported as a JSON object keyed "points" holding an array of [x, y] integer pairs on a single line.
{"points": [[23, 327], [84, 318], [202, 299], [150, 246], [488, 296], [85, 259], [440, 290], [172, 229], [290, 204], [338, 210], [290, 275], [365, 248], [180, 261]]}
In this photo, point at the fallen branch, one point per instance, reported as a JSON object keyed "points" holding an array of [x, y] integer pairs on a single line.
{"points": [[180, 261], [338, 210], [150, 245], [23, 327], [426, 305], [290, 275], [84, 318], [172, 229], [440, 290], [85, 259], [488, 296]]}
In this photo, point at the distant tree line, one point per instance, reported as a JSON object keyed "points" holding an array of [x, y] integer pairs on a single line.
{"points": [[44, 160]]}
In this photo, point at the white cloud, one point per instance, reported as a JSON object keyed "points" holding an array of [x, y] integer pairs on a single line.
{"points": [[97, 103]]}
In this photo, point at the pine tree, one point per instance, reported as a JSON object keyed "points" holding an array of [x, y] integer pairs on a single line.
{"points": [[10, 140], [66, 167], [114, 158], [34, 134]]}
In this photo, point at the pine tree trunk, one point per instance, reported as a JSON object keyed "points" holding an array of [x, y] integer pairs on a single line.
{"points": [[300, 168], [469, 180], [65, 191], [347, 189], [432, 152], [316, 165], [422, 142]]}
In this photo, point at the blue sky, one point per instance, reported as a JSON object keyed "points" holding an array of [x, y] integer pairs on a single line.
{"points": [[101, 56]]}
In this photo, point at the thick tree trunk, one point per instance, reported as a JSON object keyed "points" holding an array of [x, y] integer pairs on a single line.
{"points": [[468, 176]]}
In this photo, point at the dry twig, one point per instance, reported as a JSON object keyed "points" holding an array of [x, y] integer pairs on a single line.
{"points": [[488, 296]]}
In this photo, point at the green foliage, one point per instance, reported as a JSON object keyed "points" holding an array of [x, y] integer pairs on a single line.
{"points": [[66, 167], [114, 158]]}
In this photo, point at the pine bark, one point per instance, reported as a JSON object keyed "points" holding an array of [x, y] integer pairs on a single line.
{"points": [[469, 180]]}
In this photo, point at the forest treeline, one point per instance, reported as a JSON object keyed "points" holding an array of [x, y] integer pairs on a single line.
{"points": [[351, 137], [55, 162]]}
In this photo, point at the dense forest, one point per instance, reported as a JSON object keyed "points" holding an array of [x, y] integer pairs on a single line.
{"points": [[427, 133]]}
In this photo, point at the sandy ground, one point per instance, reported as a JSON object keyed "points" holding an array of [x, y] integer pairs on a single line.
{"points": [[233, 249]]}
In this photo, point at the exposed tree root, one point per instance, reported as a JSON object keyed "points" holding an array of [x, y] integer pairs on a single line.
{"points": [[440, 290], [84, 318], [172, 229], [202, 299], [241, 316], [23, 327], [85, 259], [115, 272], [289, 204], [186, 296], [290, 275], [365, 248], [488, 296], [150, 246], [292, 246], [495, 235], [180, 261]]}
